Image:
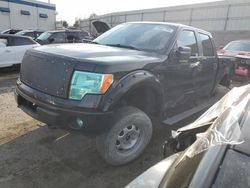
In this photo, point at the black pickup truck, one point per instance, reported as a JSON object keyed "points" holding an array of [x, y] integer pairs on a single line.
{"points": [[112, 87]]}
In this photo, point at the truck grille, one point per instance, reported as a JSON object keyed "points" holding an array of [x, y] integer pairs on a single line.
{"points": [[46, 73]]}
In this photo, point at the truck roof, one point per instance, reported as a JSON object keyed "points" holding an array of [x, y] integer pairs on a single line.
{"points": [[178, 25]]}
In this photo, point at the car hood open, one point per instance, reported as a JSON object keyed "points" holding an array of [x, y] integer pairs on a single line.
{"points": [[101, 27]]}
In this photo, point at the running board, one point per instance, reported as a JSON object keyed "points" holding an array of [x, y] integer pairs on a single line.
{"points": [[177, 118]]}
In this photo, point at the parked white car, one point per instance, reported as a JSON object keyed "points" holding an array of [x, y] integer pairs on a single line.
{"points": [[13, 48]]}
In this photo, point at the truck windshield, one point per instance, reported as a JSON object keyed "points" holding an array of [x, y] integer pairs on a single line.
{"points": [[238, 46], [44, 36], [138, 36]]}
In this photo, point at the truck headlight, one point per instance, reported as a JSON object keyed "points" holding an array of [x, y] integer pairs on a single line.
{"points": [[83, 83]]}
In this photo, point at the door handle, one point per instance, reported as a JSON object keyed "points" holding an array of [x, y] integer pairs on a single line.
{"points": [[201, 58], [7, 51]]}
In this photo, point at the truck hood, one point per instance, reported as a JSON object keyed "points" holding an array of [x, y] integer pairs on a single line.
{"points": [[103, 59]]}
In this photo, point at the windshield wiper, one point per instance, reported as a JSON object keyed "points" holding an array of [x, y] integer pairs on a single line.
{"points": [[123, 46]]}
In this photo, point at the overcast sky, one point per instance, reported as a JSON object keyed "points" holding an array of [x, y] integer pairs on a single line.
{"points": [[70, 9]]}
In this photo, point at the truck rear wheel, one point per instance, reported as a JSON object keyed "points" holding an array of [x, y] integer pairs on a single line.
{"points": [[128, 137]]}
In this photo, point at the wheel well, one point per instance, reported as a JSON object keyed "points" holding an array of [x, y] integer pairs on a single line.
{"points": [[145, 98]]}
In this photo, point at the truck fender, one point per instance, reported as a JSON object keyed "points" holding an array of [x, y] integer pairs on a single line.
{"points": [[130, 82]]}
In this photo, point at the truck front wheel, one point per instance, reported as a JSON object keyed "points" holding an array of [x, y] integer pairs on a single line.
{"points": [[128, 137]]}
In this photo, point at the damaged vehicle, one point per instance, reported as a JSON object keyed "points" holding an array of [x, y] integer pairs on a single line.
{"points": [[112, 87], [63, 36], [239, 49], [216, 149]]}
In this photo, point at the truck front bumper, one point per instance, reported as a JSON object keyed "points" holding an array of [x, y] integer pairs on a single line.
{"points": [[62, 113]]}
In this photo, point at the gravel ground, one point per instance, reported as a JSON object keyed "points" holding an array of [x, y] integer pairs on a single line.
{"points": [[32, 155]]}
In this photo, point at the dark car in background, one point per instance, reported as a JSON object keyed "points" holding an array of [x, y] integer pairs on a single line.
{"points": [[216, 149], [239, 49], [34, 34], [64, 36]]}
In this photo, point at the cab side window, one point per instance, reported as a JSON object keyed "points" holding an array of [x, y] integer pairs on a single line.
{"points": [[187, 39], [207, 45]]}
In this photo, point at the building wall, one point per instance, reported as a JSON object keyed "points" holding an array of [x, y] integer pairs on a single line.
{"points": [[14, 18], [4, 16], [220, 17], [221, 38]]}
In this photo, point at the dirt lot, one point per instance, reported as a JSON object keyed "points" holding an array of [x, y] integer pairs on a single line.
{"points": [[32, 155]]}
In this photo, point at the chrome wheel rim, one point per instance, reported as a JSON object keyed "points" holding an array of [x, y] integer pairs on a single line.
{"points": [[128, 138]]}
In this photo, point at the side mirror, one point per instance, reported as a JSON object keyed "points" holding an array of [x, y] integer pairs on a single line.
{"points": [[183, 53], [221, 47]]}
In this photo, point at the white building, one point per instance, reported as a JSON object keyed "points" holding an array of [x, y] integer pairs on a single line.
{"points": [[27, 14], [227, 20]]}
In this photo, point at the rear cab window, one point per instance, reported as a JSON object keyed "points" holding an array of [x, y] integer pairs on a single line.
{"points": [[207, 45]]}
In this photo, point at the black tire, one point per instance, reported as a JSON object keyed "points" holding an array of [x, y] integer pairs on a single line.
{"points": [[108, 143]]}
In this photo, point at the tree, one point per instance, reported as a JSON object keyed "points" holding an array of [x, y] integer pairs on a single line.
{"points": [[65, 24], [77, 23]]}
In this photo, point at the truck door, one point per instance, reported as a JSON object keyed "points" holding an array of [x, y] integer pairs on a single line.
{"points": [[20, 45], [178, 75], [208, 65]]}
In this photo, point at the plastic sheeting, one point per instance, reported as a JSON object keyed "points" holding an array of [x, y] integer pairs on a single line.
{"points": [[225, 117]]}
